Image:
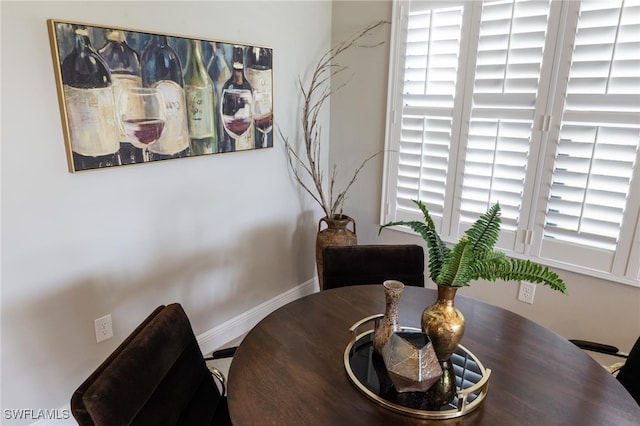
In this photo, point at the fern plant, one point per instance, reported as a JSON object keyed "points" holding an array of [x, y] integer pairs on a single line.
{"points": [[474, 257]]}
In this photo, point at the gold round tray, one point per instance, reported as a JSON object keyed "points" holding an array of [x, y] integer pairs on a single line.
{"points": [[367, 372]]}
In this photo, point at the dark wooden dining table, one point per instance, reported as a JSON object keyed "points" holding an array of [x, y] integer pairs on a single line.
{"points": [[289, 369]]}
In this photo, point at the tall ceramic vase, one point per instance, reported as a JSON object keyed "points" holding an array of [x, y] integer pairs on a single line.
{"points": [[444, 323], [335, 234], [389, 323]]}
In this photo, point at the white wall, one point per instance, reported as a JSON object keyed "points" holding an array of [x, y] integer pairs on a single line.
{"points": [[220, 234], [595, 309]]}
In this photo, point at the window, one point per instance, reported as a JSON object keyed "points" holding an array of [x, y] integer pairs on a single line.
{"points": [[534, 104]]}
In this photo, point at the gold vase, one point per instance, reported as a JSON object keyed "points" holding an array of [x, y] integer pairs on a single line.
{"points": [[335, 234], [444, 323]]}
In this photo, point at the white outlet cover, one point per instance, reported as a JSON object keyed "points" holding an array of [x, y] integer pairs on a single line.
{"points": [[104, 328], [527, 292]]}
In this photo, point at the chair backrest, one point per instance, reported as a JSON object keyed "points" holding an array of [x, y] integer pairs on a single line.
{"points": [[157, 376], [629, 374], [372, 264]]}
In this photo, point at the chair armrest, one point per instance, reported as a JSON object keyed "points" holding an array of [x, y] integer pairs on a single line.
{"points": [[614, 368], [599, 348], [221, 378], [222, 353]]}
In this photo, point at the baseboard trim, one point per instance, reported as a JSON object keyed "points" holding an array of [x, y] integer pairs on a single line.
{"points": [[236, 327]]}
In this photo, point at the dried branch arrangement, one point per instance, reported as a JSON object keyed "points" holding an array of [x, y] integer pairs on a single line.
{"points": [[306, 167]]}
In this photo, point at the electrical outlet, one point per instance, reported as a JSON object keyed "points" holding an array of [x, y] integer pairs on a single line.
{"points": [[104, 328], [527, 291]]}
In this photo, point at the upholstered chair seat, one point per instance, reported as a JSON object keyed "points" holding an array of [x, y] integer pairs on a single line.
{"points": [[157, 376]]}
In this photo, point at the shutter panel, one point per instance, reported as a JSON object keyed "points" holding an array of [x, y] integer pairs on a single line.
{"points": [[502, 101], [599, 137], [431, 54], [507, 74]]}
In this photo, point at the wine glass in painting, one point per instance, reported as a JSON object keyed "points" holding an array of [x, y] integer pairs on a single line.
{"points": [[142, 116], [237, 111], [263, 116]]}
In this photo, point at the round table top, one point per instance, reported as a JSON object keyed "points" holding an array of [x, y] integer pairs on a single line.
{"points": [[289, 369]]}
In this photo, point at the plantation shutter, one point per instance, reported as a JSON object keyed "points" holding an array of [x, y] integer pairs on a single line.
{"points": [[534, 104], [502, 112], [426, 89], [599, 138]]}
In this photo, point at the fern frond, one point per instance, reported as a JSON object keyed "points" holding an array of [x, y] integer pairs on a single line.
{"points": [[484, 233], [425, 213], [456, 264], [488, 266], [501, 267], [491, 256], [416, 226], [436, 260], [437, 249]]}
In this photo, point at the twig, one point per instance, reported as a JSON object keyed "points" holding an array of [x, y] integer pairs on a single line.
{"points": [[315, 94]]}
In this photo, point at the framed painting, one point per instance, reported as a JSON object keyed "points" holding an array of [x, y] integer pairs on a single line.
{"points": [[132, 97]]}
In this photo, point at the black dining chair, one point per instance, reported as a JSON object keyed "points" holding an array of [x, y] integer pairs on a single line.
{"points": [[157, 376], [627, 372], [372, 264]]}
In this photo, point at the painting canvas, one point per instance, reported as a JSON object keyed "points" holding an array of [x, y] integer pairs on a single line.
{"points": [[132, 97]]}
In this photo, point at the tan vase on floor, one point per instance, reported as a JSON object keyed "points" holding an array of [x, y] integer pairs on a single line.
{"points": [[444, 323], [335, 234]]}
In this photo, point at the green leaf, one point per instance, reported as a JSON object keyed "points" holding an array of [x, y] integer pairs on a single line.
{"points": [[485, 231], [437, 249], [454, 272], [516, 270]]}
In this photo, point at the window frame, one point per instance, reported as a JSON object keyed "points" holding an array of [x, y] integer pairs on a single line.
{"points": [[528, 240]]}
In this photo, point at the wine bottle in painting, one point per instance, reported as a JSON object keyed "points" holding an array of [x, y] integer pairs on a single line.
{"points": [[88, 92], [124, 65], [200, 103], [161, 69], [237, 104], [259, 74], [220, 73]]}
